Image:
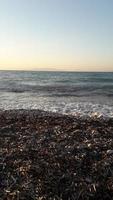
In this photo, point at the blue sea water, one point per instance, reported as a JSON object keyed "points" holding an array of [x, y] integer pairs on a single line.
{"points": [[75, 93]]}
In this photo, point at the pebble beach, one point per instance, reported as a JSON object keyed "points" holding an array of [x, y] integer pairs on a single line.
{"points": [[46, 156]]}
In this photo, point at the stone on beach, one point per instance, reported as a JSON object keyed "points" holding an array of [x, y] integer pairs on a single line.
{"points": [[52, 156]]}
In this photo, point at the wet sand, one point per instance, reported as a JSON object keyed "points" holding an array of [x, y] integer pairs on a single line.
{"points": [[46, 156]]}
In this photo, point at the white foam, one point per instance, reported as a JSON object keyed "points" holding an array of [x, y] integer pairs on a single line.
{"points": [[66, 106], [28, 83], [83, 109]]}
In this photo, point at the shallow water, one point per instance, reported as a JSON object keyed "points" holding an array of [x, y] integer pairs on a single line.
{"points": [[64, 92]]}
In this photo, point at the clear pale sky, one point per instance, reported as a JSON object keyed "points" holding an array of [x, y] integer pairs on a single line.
{"points": [[66, 35]]}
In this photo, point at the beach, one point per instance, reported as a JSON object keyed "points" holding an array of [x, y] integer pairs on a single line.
{"points": [[48, 155], [56, 100]]}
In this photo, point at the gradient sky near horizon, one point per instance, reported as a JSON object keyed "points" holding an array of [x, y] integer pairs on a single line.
{"points": [[66, 35]]}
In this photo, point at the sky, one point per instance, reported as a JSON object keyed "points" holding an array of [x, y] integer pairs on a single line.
{"points": [[66, 35]]}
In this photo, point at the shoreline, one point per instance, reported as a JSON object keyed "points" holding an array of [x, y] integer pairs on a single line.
{"points": [[35, 111], [48, 155]]}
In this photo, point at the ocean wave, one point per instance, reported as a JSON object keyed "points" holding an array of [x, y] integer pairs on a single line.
{"points": [[75, 109], [83, 94]]}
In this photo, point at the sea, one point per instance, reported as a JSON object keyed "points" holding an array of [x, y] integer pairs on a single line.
{"points": [[69, 93]]}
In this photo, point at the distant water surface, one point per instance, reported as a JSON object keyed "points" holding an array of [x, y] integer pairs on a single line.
{"points": [[76, 93]]}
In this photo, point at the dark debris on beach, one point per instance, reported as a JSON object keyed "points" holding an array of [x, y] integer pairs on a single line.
{"points": [[45, 156]]}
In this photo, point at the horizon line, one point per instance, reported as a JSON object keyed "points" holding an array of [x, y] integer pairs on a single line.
{"points": [[34, 70]]}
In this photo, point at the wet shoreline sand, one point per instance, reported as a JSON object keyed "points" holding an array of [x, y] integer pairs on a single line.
{"points": [[52, 156]]}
